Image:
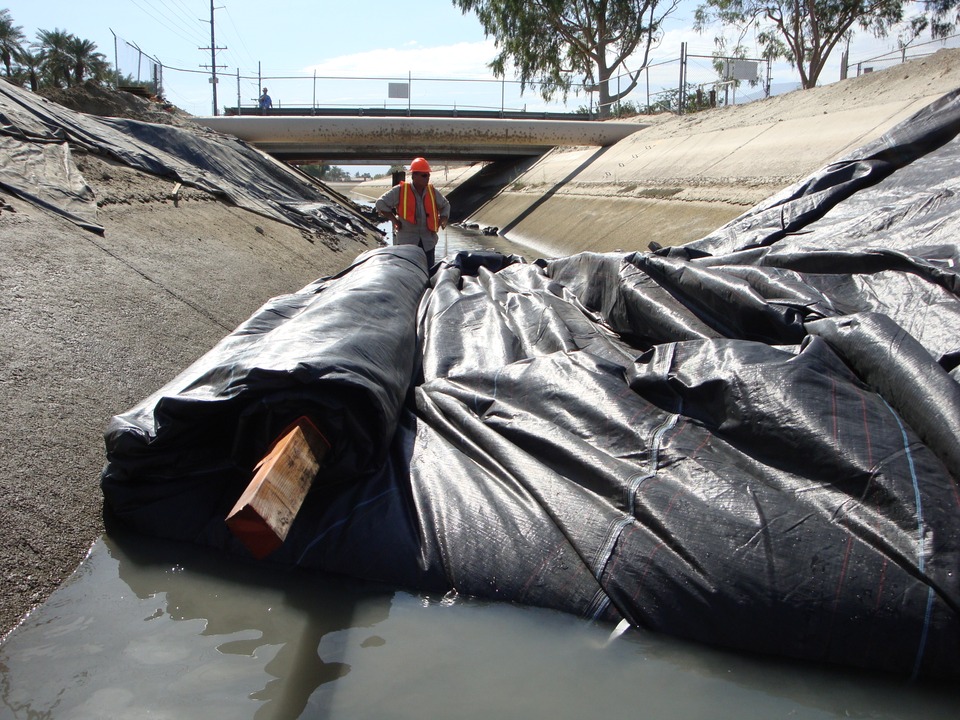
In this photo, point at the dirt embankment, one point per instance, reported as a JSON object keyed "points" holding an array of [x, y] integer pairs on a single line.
{"points": [[91, 324], [94, 99]]}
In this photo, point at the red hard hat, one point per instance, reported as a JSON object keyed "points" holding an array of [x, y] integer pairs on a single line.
{"points": [[419, 165]]}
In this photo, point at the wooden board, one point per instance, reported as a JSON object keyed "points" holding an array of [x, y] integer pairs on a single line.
{"points": [[262, 517]]}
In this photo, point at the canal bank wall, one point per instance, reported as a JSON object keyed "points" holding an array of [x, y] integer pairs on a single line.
{"points": [[684, 176]]}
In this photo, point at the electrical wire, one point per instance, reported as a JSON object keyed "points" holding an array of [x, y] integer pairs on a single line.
{"points": [[151, 12], [249, 55]]}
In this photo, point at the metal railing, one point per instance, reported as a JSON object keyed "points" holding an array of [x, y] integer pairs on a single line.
{"points": [[898, 57]]}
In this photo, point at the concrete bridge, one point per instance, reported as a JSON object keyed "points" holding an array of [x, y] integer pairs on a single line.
{"points": [[347, 139]]}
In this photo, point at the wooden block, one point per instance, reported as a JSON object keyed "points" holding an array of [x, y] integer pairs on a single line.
{"points": [[262, 516]]}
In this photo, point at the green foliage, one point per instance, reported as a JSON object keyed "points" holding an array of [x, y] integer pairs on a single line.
{"points": [[666, 101], [669, 101], [69, 60], [11, 41], [87, 62], [941, 17], [329, 173], [56, 59], [625, 108], [553, 45], [28, 71], [805, 32], [128, 80]]}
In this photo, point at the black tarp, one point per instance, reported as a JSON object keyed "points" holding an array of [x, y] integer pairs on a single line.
{"points": [[36, 137], [750, 441]]}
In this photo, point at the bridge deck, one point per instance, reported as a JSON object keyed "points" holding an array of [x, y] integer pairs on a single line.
{"points": [[400, 138]]}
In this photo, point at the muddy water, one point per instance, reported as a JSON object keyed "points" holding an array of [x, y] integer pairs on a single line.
{"points": [[152, 629], [147, 628]]}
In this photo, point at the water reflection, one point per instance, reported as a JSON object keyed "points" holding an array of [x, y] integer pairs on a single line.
{"points": [[252, 610], [198, 627], [151, 628], [455, 238]]}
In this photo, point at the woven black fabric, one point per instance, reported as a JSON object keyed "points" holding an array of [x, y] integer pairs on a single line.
{"points": [[750, 441]]}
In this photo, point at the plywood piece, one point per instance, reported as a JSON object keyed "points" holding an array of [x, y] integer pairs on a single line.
{"points": [[262, 517]]}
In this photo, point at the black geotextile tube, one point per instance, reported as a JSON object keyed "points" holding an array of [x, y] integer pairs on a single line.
{"points": [[649, 299], [782, 517], [904, 374], [683, 443], [178, 461], [719, 489]]}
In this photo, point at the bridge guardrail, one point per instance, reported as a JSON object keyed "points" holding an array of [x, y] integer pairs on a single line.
{"points": [[411, 112]]}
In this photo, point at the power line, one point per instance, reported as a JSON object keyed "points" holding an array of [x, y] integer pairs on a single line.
{"points": [[186, 21], [176, 31], [185, 12], [240, 38]]}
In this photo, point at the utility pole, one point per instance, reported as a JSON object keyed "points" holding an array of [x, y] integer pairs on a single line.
{"points": [[683, 79], [213, 58], [116, 60]]}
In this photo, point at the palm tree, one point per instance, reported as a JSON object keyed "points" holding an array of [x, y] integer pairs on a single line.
{"points": [[87, 63], [54, 46], [31, 68], [11, 39]]}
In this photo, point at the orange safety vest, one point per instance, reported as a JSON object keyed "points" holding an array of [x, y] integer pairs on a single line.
{"points": [[407, 207]]}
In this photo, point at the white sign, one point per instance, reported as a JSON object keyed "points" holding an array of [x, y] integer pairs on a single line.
{"points": [[741, 70], [398, 90]]}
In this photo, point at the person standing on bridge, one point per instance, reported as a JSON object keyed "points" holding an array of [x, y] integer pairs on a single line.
{"points": [[416, 209], [265, 103]]}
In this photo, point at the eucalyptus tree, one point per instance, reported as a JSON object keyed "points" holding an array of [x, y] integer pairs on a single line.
{"points": [[553, 44], [805, 32], [939, 16], [11, 41]]}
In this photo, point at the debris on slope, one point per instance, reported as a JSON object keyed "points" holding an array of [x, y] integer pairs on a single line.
{"points": [[39, 138], [94, 99]]}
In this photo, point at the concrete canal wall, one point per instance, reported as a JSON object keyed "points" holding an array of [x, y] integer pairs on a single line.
{"points": [[683, 177]]}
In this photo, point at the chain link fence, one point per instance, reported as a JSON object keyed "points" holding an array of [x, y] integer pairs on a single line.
{"points": [[911, 51], [136, 71]]}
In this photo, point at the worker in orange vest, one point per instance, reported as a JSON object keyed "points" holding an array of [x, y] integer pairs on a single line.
{"points": [[416, 209]]}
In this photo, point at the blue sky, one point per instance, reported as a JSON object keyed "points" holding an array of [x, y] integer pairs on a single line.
{"points": [[289, 42]]}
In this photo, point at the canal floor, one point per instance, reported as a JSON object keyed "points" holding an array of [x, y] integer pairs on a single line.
{"points": [[146, 628]]}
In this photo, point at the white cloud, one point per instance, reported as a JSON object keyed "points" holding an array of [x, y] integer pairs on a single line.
{"points": [[461, 60]]}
